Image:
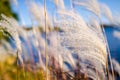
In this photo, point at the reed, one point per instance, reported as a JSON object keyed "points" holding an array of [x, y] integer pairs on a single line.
{"points": [[88, 4], [107, 13], [8, 24]]}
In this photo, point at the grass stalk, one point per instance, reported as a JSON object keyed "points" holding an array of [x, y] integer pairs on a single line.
{"points": [[46, 48], [108, 50]]}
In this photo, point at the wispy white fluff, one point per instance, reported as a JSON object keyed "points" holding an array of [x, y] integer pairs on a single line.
{"points": [[82, 40], [38, 13], [39, 40], [91, 5], [105, 10], [74, 16], [116, 66], [116, 19], [10, 25], [95, 26], [59, 4]]}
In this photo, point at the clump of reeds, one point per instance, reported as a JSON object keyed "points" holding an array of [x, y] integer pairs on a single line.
{"points": [[77, 41], [77, 51], [8, 24]]}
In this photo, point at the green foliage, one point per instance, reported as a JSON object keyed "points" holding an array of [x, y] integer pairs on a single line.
{"points": [[4, 34], [10, 71], [5, 9]]}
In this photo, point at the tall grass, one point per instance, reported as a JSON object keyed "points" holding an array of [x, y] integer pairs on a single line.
{"points": [[80, 45], [76, 50], [8, 24]]}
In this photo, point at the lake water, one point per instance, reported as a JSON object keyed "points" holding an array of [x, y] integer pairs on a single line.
{"points": [[113, 37]]}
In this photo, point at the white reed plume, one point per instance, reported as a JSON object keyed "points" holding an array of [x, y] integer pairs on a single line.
{"points": [[39, 43], [22, 32], [106, 12], [89, 63], [91, 5], [7, 46], [9, 24], [53, 37], [75, 16], [59, 4], [53, 48], [5, 49], [66, 57], [54, 43], [116, 66], [116, 19], [82, 40], [56, 2], [39, 40], [95, 26], [60, 60], [38, 13], [58, 52], [81, 23]]}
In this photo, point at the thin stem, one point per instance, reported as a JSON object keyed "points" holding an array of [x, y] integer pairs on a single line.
{"points": [[106, 44], [107, 69], [108, 50], [46, 50]]}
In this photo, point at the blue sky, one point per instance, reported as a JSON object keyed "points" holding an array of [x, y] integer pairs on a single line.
{"points": [[113, 4]]}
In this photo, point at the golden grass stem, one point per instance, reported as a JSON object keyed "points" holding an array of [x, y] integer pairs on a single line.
{"points": [[46, 49], [108, 50]]}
